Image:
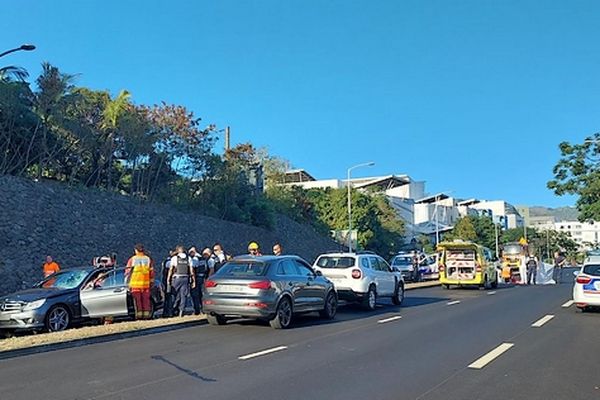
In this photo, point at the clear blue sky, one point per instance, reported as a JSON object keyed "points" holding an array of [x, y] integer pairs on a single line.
{"points": [[470, 96]]}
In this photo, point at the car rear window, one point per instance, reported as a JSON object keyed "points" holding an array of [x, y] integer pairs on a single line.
{"points": [[592, 270], [336, 262], [402, 260], [242, 269]]}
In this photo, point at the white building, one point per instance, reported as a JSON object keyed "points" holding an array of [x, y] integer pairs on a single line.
{"points": [[500, 211], [587, 234]]}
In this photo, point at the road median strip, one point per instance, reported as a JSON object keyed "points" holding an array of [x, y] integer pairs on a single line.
{"points": [[421, 285], [30, 344]]}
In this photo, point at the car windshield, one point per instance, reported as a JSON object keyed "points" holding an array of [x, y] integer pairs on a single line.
{"points": [[242, 269], [64, 280], [403, 260], [592, 270], [335, 262]]}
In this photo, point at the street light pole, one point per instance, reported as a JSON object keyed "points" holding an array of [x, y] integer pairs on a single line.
{"points": [[367, 164], [24, 47], [497, 239]]}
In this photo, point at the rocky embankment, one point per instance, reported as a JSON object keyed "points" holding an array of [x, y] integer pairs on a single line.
{"points": [[74, 225]]}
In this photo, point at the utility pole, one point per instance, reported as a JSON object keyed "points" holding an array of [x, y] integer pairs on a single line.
{"points": [[227, 139], [497, 240]]}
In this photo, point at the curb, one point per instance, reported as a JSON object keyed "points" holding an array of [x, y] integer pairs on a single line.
{"points": [[44, 348]]}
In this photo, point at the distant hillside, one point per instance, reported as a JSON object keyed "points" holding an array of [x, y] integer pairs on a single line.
{"points": [[560, 213]]}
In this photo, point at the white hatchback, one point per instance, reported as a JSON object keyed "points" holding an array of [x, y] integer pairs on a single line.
{"points": [[586, 289], [361, 277]]}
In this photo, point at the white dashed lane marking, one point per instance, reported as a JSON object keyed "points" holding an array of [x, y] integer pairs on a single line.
{"points": [[539, 323], [390, 319], [491, 293], [451, 303], [491, 356], [262, 353], [568, 304]]}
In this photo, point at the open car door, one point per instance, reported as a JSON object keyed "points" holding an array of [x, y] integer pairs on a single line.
{"points": [[105, 294]]}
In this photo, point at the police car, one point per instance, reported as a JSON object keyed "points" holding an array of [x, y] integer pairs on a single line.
{"points": [[586, 289]]}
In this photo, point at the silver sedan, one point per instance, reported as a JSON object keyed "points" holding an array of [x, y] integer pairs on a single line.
{"points": [[268, 288]]}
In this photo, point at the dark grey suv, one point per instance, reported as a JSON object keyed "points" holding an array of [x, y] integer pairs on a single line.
{"points": [[268, 288]]}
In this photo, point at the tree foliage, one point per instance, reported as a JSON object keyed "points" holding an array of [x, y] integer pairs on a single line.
{"points": [[577, 172]]}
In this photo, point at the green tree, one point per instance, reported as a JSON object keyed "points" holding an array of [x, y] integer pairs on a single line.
{"points": [[578, 173], [464, 230]]}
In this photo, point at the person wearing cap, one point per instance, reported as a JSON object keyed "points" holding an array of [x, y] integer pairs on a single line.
{"points": [[277, 249], [253, 249], [50, 267], [140, 274]]}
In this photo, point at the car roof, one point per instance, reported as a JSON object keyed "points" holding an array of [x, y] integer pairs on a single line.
{"points": [[592, 259], [264, 259], [341, 255]]}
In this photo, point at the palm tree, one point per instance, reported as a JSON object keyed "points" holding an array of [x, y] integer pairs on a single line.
{"points": [[11, 72], [113, 111]]}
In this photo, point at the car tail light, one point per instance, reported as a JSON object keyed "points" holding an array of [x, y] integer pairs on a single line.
{"points": [[478, 268], [208, 302], [356, 274], [583, 279], [210, 283], [441, 267], [257, 305], [260, 285]]}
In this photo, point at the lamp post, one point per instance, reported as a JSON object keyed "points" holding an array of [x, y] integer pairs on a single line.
{"points": [[24, 47], [367, 164]]}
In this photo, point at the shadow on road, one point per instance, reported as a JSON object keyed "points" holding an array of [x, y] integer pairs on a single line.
{"points": [[186, 371]]}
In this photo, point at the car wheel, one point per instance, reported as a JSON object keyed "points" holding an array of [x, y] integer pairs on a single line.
{"points": [[216, 319], [58, 319], [330, 308], [398, 297], [283, 315], [447, 286], [370, 300]]}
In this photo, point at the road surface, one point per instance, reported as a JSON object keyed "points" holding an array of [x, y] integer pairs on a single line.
{"points": [[442, 344]]}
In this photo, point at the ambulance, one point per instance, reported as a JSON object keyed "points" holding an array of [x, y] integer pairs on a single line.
{"points": [[463, 263]]}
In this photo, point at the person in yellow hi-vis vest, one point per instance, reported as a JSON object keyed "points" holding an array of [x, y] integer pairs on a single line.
{"points": [[141, 277]]}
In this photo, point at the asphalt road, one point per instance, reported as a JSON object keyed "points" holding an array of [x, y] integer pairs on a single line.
{"points": [[425, 354]]}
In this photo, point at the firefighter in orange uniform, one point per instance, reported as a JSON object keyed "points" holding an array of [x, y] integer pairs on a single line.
{"points": [[141, 276]]}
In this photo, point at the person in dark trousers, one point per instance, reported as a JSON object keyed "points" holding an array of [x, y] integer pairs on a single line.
{"points": [[199, 267], [181, 274], [166, 285], [559, 262], [532, 270]]}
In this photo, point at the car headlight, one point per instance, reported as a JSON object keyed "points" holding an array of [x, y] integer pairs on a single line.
{"points": [[34, 305]]}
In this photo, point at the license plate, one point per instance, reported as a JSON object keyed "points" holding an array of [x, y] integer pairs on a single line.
{"points": [[232, 288]]}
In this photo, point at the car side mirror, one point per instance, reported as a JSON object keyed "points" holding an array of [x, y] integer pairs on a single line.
{"points": [[318, 273]]}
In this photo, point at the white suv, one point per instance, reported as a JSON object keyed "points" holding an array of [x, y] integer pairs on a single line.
{"points": [[361, 277]]}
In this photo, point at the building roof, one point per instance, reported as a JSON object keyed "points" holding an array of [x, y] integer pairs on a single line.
{"points": [[433, 199], [298, 175], [383, 182], [469, 202]]}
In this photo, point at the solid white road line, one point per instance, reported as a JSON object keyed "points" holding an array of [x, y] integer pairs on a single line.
{"points": [[262, 353], [542, 321], [491, 356], [383, 321], [568, 304], [491, 293], [451, 303]]}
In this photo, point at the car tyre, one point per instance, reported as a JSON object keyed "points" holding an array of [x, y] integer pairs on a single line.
{"points": [[446, 286], [330, 308], [398, 297], [283, 315], [495, 283], [58, 318], [216, 319], [369, 301]]}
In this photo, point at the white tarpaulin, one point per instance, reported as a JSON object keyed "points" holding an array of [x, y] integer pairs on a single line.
{"points": [[544, 273]]}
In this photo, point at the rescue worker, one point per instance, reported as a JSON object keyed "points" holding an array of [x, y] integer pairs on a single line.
{"points": [[531, 270], [253, 249], [277, 249], [140, 274], [50, 267], [181, 274]]}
